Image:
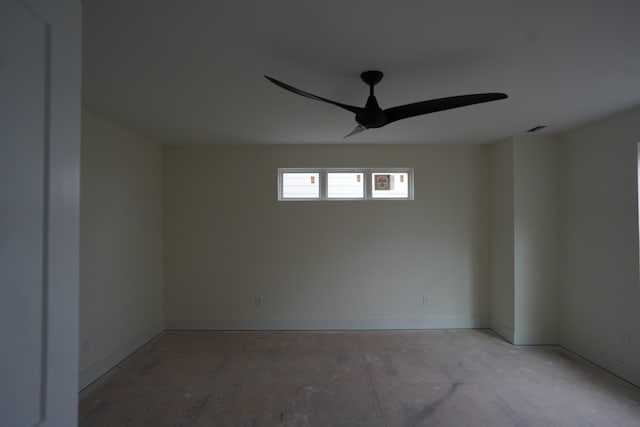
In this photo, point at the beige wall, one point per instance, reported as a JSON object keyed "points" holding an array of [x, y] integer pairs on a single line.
{"points": [[523, 262], [599, 230], [324, 264], [121, 296], [558, 217], [502, 256], [535, 208]]}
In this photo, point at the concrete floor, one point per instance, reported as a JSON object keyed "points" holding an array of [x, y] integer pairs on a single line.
{"points": [[414, 378]]}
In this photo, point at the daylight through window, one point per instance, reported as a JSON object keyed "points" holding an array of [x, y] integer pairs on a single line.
{"points": [[300, 185], [345, 184]]}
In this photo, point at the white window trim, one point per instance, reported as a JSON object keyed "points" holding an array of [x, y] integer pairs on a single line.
{"points": [[324, 183], [298, 170], [366, 173]]}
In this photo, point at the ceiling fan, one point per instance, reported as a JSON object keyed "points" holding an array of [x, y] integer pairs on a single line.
{"points": [[372, 116]]}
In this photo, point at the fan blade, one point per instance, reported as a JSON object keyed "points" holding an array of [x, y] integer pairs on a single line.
{"points": [[440, 104], [351, 108], [358, 129]]}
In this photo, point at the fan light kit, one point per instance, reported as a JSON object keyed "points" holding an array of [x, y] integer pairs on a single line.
{"points": [[372, 116]]}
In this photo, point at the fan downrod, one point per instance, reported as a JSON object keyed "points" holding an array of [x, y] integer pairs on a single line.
{"points": [[372, 77]]}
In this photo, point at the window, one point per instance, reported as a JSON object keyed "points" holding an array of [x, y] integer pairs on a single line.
{"points": [[300, 185], [390, 185], [345, 184]]}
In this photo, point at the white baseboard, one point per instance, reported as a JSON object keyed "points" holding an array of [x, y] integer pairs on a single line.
{"points": [[524, 337], [605, 361], [110, 361], [615, 366], [535, 338], [502, 330], [293, 324]]}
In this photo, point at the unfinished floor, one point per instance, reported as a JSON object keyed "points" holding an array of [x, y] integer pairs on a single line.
{"points": [[415, 378]]}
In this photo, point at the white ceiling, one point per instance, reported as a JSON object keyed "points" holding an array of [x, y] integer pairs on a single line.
{"points": [[191, 71]]}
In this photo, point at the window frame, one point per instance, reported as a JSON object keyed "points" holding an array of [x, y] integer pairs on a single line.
{"points": [[281, 171], [367, 173], [324, 179], [408, 171]]}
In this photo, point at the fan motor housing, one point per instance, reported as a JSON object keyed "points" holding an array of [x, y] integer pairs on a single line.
{"points": [[372, 116]]}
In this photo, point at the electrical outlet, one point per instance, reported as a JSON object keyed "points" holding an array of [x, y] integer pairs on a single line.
{"points": [[257, 302], [84, 345], [425, 300]]}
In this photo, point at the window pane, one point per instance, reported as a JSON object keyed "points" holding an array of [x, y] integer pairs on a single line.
{"points": [[389, 185], [300, 185], [345, 185]]}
